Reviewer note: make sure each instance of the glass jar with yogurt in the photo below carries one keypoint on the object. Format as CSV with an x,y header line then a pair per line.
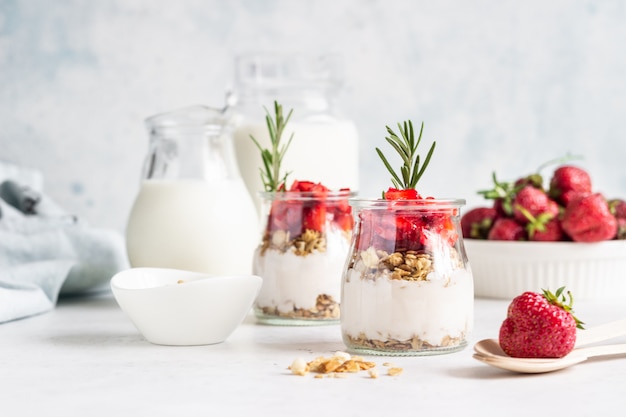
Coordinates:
x,y
325,143
301,256
407,287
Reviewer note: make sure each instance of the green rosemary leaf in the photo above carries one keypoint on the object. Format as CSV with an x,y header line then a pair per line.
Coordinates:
x,y
406,145
395,179
272,158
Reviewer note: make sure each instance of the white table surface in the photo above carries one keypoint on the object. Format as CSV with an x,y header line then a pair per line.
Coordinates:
x,y
85,358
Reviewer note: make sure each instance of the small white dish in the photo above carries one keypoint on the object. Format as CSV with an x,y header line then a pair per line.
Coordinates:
x,y
183,308
591,271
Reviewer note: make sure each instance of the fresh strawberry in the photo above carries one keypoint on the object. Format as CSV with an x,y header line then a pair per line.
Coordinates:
x,y
539,326
546,227
534,201
550,231
475,224
285,215
341,211
505,228
314,218
317,189
589,219
621,229
617,206
344,221
307,205
568,182
396,194
568,196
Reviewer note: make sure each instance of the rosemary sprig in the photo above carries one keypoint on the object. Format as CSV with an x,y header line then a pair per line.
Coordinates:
x,y
406,146
272,158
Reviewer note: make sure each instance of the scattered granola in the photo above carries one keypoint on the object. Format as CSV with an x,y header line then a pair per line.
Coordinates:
x,y
338,366
394,371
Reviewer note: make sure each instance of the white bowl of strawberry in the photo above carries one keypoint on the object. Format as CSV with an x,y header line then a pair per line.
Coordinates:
x,y
534,236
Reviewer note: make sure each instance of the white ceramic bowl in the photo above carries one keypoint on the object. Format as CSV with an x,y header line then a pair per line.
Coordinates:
x,y
183,308
591,271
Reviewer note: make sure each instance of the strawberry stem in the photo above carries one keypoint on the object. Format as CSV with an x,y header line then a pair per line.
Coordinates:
x,y
558,299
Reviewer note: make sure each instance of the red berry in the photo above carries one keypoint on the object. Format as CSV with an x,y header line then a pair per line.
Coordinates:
x,y
314,218
539,326
550,231
589,219
396,194
297,214
532,200
475,224
621,229
617,207
569,180
505,228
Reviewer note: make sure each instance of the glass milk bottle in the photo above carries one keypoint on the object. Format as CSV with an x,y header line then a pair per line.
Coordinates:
x,y
325,144
193,211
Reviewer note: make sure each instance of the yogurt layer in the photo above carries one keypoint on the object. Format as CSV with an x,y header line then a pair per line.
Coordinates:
x,y
437,311
293,281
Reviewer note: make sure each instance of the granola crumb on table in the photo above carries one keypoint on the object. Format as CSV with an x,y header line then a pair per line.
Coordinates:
x,y
338,366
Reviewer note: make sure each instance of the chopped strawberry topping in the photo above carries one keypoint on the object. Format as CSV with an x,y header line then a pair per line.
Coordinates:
x,y
311,210
396,194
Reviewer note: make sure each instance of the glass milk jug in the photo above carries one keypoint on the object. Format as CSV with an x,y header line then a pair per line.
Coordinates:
x,y
193,211
325,144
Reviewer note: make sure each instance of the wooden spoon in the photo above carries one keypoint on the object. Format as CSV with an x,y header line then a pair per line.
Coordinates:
x,y
495,357
489,351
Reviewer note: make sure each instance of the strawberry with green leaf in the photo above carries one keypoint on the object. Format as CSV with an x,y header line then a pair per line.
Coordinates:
x,y
539,325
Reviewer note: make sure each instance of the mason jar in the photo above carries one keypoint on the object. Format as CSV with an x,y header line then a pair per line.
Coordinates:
x,y
407,287
301,255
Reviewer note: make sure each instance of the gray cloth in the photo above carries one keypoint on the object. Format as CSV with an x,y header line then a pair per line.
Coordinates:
x,y
46,253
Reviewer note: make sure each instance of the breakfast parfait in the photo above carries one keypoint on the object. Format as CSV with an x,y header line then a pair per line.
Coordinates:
x,y
304,242
407,288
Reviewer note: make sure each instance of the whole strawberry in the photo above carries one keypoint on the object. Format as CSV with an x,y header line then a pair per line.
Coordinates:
x,y
534,201
617,206
569,182
539,326
476,223
505,228
546,227
588,219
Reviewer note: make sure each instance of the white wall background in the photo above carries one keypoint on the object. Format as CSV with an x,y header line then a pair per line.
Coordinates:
x,y
501,84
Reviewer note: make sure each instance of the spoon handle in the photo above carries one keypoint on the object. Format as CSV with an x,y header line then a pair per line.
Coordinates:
x,y
603,350
600,333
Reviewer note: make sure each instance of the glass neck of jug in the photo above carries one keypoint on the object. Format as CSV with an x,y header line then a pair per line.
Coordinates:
x,y
191,143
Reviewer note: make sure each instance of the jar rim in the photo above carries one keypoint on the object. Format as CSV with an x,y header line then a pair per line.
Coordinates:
x,y
308,195
421,204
